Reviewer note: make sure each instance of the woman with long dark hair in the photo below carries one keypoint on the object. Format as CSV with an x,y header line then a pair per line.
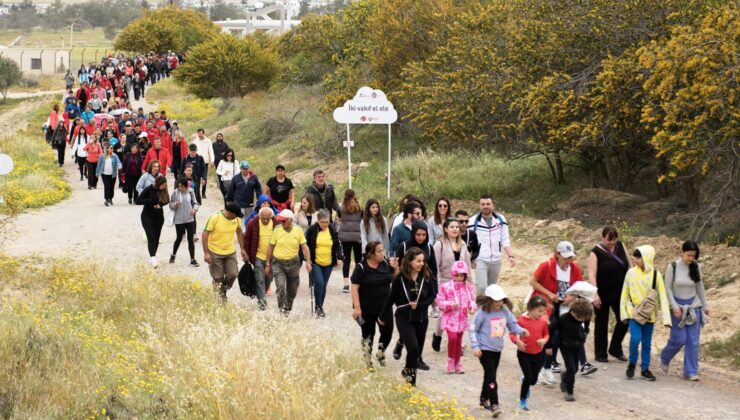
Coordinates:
x,y
442,211
326,252
107,169
349,232
78,151
153,197
411,293
184,205
688,302
131,171
373,227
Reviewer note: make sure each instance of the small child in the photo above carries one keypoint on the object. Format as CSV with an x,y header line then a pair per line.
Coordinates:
x,y
529,349
638,283
487,340
580,290
455,299
572,336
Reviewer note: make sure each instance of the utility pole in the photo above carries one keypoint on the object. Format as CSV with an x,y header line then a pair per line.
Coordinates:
x,y
71,35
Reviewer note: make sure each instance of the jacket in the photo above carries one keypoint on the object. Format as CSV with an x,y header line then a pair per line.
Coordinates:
x,y
163,155
570,331
126,166
146,180
461,293
349,226
188,203
78,146
492,239
199,166
116,165
487,329
301,219
205,149
547,276
370,233
336,246
399,235
242,192
444,256
264,198
425,247
326,201
252,238
219,150
403,291
637,285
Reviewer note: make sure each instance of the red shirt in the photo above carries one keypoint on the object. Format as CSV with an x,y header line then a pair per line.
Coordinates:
x,y
537,328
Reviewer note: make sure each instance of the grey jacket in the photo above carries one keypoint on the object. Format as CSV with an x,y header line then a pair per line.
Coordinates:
x,y
349,227
183,213
371,233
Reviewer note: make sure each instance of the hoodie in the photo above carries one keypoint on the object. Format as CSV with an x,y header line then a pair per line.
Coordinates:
x,y
255,213
637,285
425,247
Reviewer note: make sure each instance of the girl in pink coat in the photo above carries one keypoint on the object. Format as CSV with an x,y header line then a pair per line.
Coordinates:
x,y
456,299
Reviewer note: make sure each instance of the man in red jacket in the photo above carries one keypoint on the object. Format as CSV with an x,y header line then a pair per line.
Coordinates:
x,y
158,153
256,240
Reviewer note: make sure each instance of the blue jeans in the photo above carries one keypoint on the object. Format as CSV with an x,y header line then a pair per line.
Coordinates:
x,y
687,337
641,334
320,277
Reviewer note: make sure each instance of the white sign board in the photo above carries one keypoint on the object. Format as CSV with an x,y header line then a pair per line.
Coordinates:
x,y
6,164
369,106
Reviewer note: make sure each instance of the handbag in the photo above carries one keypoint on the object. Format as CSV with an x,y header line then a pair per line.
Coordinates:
x,y
171,218
645,310
247,283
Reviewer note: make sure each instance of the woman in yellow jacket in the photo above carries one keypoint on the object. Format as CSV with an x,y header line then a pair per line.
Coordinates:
x,y
637,284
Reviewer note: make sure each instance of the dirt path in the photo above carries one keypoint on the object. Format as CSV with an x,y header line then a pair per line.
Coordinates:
x,y
75,228
21,95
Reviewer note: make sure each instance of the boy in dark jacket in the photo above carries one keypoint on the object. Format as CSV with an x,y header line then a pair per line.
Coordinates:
x,y
572,336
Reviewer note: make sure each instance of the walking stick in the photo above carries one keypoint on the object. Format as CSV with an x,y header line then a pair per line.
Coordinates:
x,y
310,291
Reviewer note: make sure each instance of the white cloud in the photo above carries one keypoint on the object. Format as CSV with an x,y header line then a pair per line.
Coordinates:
x,y
369,106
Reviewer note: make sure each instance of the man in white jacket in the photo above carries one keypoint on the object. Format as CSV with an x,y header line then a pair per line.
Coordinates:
x,y
493,237
205,149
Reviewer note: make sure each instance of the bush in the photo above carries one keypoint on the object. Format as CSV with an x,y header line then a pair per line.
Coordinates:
x,y
84,341
10,75
226,67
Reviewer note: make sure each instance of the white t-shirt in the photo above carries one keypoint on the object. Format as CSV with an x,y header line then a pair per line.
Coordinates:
x,y
563,279
108,166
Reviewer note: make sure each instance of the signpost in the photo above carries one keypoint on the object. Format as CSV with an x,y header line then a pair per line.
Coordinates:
x,y
369,106
6,167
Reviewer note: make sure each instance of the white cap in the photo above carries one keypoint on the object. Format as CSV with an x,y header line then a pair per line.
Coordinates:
x,y
495,292
285,214
143,134
565,249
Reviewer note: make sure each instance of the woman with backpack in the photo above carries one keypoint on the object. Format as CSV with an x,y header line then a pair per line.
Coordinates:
x,y
349,232
688,302
184,206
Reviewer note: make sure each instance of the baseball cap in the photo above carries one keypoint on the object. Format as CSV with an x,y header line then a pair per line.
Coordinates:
x,y
193,147
233,208
245,165
495,292
285,215
565,249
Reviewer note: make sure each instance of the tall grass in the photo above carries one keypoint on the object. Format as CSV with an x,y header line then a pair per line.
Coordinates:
x,y
36,179
81,340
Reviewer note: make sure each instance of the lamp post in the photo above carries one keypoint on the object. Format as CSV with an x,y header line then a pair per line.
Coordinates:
x,y
71,35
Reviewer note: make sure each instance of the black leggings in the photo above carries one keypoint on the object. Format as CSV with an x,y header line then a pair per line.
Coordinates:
x,y
152,224
108,186
81,162
355,247
181,230
489,391
412,334
60,154
131,181
531,365
92,179
570,359
368,331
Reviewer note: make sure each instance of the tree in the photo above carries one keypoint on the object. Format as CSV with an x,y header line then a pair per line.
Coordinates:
x,y
10,75
165,29
225,66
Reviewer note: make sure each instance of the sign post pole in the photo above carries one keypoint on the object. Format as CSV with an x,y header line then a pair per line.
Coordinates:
x,y
348,144
389,162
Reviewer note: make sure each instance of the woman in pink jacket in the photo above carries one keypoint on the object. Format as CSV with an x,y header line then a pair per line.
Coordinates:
x,y
456,299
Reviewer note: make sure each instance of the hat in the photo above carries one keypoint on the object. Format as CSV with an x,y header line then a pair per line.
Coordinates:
x,y
233,208
495,292
193,147
174,121
245,165
128,123
459,267
143,134
565,249
285,215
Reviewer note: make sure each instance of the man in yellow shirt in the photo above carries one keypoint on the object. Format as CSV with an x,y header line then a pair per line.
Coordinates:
x,y
256,241
219,251
282,257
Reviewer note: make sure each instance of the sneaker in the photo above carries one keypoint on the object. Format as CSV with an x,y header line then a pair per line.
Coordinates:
x,y
172,259
194,263
262,305
130,201
436,342
459,368
647,375
381,358
523,405
496,409
693,378
345,289
588,369
153,262
619,356
664,367
546,377
570,397
630,370
397,350
602,359
320,312
450,365
485,404
555,367
435,313
107,203
421,365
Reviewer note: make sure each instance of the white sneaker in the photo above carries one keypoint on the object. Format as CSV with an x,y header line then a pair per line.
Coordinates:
x,y
153,261
546,377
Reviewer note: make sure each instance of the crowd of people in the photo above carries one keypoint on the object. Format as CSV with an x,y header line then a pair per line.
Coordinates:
x,y
435,264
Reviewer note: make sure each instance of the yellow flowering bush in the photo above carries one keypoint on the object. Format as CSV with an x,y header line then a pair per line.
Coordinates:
x,y
84,341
